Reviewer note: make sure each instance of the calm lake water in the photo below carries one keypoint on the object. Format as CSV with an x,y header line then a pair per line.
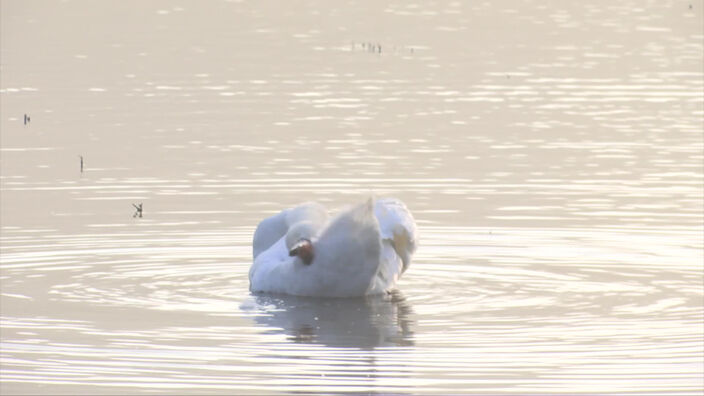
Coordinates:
x,y
551,152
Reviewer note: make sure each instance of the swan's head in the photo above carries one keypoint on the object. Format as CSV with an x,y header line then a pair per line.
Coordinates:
x,y
299,241
304,250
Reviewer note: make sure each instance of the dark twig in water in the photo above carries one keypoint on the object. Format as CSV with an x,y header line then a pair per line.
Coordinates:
x,y
26,119
138,213
81,163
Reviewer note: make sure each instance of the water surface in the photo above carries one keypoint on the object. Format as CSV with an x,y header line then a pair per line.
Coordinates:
x,y
551,154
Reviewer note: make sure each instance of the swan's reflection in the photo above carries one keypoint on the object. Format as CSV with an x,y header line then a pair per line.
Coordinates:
x,y
374,321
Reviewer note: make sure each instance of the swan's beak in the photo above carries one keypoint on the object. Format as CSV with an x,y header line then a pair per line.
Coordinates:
x,y
304,250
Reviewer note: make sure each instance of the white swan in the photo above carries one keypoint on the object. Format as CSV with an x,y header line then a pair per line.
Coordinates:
x,y
361,251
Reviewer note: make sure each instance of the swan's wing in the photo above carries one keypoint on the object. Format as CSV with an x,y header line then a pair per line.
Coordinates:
x,y
347,253
397,228
273,228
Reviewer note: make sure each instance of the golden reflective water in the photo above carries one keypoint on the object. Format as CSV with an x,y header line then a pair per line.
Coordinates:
x,y
551,153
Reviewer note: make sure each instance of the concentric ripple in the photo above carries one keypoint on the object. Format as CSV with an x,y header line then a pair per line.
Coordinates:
x,y
564,303
551,155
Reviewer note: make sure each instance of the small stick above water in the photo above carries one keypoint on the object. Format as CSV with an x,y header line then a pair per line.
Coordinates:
x,y
138,213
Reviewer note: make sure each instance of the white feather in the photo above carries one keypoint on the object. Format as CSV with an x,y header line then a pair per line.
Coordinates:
x,y
363,250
